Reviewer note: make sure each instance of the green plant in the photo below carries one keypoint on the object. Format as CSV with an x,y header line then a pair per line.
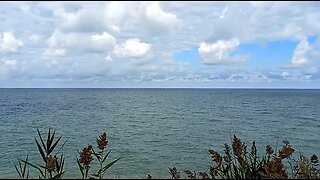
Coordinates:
x,y
53,167
238,163
23,172
84,162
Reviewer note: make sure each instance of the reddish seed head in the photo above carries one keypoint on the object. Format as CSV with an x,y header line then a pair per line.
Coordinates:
x,y
102,141
269,150
51,163
286,152
314,159
86,155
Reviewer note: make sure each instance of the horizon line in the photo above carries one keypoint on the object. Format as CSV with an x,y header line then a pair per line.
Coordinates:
x,y
279,88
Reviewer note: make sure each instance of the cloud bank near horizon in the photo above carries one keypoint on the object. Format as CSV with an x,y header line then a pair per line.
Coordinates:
x,y
160,44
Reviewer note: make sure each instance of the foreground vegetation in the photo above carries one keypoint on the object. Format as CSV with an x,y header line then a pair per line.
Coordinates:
x,y
236,162
239,163
53,163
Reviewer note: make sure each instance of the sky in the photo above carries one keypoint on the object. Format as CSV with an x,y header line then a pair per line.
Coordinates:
x,y
160,44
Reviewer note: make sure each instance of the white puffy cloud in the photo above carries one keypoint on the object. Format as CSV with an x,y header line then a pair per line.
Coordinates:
x,y
95,17
116,17
117,14
9,44
102,42
159,19
60,43
64,40
299,56
305,56
86,19
218,52
132,48
251,23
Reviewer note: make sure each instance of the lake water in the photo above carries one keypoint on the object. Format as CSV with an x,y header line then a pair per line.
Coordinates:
x,y
153,129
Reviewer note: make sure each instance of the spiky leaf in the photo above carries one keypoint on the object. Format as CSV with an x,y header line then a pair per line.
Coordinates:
x,y
17,170
48,142
105,157
109,165
44,146
34,166
54,145
41,151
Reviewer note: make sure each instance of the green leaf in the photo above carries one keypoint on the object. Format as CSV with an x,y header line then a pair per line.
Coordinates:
x,y
109,165
20,166
17,170
105,157
58,164
28,174
62,146
48,142
236,171
24,168
80,167
97,155
96,175
58,176
51,140
34,166
54,145
62,164
44,146
41,151
86,172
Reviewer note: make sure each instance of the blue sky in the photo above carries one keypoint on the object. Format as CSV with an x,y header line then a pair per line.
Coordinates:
x,y
160,44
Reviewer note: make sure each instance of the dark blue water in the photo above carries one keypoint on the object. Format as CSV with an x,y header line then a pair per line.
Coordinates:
x,y
153,129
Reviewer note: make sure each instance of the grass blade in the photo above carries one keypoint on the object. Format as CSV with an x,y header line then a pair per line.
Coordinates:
x,y
61,146
17,170
59,164
58,176
96,155
86,172
105,157
80,167
20,166
54,145
41,151
62,164
28,173
44,146
95,175
48,143
109,165
24,168
51,140
34,166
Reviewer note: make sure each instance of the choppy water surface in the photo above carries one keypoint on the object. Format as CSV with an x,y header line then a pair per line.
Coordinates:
x,y
153,129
